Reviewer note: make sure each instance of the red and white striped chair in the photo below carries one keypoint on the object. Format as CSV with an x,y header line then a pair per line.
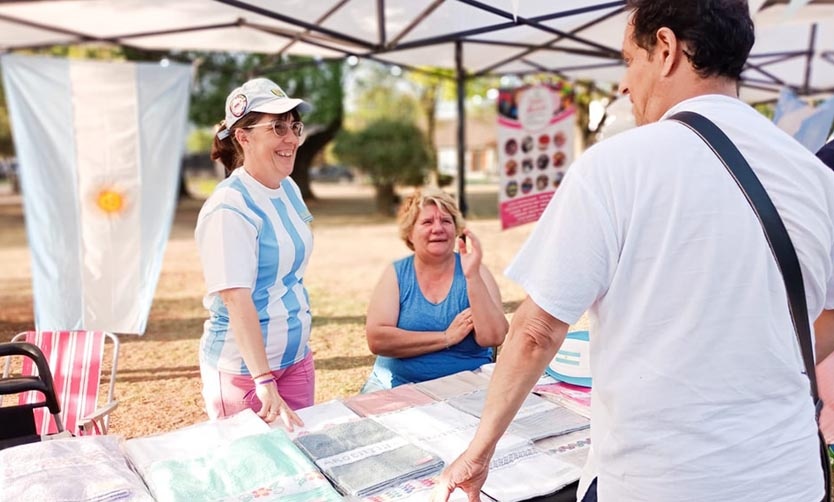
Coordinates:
x,y
75,358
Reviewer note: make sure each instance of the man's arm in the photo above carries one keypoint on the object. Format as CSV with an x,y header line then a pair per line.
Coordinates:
x,y
824,333
535,337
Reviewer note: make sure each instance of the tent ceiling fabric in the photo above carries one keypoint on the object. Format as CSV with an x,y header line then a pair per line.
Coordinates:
x,y
579,39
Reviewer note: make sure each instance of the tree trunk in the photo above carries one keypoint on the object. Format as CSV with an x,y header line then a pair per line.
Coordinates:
x,y
385,198
428,101
313,144
183,194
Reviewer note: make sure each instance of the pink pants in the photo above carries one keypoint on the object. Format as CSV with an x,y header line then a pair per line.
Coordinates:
x,y
226,394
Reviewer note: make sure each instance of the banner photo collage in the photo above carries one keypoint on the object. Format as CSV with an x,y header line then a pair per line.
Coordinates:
x,y
536,127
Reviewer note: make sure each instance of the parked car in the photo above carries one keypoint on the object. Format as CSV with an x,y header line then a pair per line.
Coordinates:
x,y
331,174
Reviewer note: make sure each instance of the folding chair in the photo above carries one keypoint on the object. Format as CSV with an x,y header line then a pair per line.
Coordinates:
x,y
19,421
75,358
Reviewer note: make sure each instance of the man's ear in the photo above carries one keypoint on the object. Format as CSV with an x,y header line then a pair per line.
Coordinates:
x,y
668,49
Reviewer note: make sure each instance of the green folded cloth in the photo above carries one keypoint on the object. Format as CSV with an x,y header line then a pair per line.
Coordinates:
x,y
266,466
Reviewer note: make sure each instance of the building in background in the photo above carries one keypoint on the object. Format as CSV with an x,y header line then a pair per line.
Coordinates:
x,y
481,145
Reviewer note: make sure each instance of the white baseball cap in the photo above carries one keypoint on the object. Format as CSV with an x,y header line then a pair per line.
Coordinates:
x,y
258,95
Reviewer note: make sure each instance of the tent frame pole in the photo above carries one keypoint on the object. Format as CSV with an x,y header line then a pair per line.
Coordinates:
x,y
460,79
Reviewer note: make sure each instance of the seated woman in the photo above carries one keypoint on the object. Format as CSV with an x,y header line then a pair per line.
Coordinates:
x,y
435,312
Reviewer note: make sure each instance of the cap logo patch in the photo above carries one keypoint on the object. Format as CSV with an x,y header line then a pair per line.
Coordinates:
x,y
279,92
238,105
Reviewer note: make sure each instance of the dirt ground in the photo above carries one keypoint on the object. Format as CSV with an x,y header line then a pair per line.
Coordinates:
x,y
158,379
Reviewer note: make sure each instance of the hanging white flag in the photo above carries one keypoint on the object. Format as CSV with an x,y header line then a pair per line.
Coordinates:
x,y
99,147
807,124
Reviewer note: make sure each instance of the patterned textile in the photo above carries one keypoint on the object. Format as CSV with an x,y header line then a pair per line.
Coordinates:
x,y
385,401
536,419
518,470
442,429
415,490
234,459
363,457
320,416
572,448
573,397
527,472
265,466
453,385
82,469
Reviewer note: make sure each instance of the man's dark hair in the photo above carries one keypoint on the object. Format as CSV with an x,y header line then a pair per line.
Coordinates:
x,y
717,34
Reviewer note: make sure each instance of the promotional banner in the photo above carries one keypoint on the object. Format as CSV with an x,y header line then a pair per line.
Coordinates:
x,y
99,146
536,127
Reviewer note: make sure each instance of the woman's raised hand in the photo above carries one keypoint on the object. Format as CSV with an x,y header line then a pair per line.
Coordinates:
x,y
470,259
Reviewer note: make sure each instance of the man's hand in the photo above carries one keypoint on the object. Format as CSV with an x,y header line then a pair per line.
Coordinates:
x,y
468,473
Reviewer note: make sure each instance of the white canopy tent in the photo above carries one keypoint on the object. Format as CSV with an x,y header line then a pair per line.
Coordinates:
x,y
579,39
576,39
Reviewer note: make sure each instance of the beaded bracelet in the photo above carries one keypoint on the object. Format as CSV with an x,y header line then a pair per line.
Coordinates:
x,y
446,339
262,374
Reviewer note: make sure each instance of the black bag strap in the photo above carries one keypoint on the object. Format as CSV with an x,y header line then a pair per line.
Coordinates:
x,y
774,230
777,237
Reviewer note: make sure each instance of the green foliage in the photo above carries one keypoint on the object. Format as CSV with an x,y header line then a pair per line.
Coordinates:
x,y
767,109
317,82
389,151
445,180
6,146
199,141
381,95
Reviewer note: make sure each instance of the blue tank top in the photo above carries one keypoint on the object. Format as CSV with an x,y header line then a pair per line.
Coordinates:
x,y
419,314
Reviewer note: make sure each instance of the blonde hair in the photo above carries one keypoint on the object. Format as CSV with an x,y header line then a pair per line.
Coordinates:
x,y
411,206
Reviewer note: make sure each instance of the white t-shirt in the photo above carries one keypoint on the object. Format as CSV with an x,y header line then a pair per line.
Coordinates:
x,y
699,392
251,236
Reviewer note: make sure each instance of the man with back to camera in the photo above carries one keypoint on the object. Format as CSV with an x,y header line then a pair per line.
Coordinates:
x,y
699,392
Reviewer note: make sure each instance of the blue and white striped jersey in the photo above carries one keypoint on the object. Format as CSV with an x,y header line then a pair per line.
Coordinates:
x,y
251,236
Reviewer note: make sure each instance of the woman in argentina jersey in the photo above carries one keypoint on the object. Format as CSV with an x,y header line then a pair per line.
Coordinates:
x,y
254,240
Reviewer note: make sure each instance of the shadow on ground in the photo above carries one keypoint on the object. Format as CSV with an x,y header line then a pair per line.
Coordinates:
x,y
344,363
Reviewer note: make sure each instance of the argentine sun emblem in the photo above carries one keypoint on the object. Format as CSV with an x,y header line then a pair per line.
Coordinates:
x,y
110,201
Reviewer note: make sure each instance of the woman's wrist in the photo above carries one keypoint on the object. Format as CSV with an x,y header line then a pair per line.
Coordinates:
x,y
261,375
446,339
266,380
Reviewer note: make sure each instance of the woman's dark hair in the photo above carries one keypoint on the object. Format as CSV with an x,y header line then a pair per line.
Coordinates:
x,y
227,150
717,34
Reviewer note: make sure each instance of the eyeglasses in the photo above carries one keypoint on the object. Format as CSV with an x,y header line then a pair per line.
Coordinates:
x,y
281,127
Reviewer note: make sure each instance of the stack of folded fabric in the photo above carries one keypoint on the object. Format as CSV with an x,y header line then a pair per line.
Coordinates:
x,y
363,457
234,459
442,429
414,490
526,472
519,470
386,401
572,448
320,416
572,397
82,469
453,385
536,419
